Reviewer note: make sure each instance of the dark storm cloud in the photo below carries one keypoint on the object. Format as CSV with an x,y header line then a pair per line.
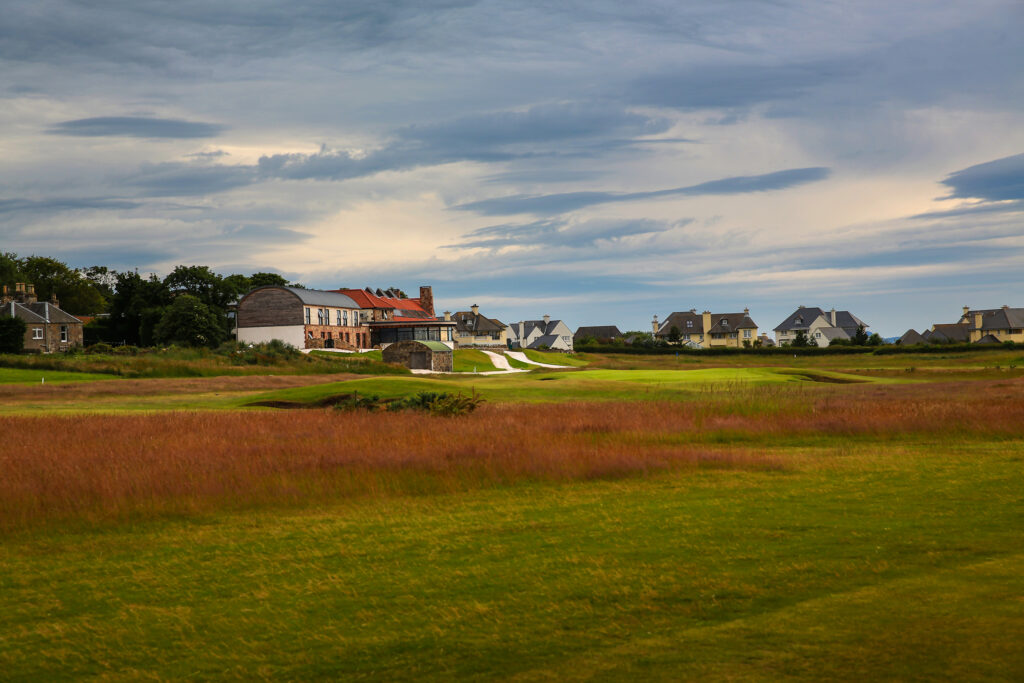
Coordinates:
x,y
727,86
487,137
559,233
571,201
542,123
997,180
64,204
176,179
136,127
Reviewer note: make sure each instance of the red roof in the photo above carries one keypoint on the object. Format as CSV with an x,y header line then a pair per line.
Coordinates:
x,y
367,300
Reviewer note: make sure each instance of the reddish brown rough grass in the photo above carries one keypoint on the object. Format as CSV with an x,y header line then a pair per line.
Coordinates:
x,y
112,466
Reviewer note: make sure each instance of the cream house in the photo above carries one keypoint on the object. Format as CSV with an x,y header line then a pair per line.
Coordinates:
x,y
708,330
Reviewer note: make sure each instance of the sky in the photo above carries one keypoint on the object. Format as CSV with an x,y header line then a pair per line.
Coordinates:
x,y
597,161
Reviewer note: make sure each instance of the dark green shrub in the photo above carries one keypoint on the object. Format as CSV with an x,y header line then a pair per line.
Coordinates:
x,y
12,335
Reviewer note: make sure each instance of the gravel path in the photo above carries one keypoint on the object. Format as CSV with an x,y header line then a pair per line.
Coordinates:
x,y
519,355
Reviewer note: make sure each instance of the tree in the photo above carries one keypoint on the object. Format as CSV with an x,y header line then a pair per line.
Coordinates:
x,y
800,338
77,294
265,279
190,322
12,334
875,340
811,341
136,308
674,335
202,283
861,338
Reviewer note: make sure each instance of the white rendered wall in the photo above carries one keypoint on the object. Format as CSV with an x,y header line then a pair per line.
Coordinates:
x,y
289,334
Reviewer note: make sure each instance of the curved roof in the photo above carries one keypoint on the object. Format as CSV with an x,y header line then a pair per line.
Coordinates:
x,y
314,297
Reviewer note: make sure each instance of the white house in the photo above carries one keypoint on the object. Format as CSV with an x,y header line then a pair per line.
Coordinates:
x,y
534,334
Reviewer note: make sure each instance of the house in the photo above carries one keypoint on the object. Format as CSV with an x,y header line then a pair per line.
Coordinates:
x,y
601,333
304,318
473,329
821,326
993,325
48,327
707,330
947,333
419,355
391,317
911,337
536,334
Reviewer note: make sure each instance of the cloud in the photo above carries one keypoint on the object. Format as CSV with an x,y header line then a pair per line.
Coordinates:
x,y
137,127
174,179
571,201
484,137
65,204
975,209
997,180
734,85
560,233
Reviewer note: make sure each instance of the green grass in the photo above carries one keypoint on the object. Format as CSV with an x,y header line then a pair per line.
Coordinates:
x,y
555,358
518,364
471,360
22,376
861,566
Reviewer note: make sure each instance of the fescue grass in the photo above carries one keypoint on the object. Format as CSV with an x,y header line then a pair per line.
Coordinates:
x,y
727,523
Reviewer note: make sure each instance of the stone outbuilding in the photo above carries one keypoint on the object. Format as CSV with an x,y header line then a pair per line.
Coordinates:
x,y
419,355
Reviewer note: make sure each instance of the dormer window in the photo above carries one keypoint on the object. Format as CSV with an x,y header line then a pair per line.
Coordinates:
x,y
799,321
725,323
689,323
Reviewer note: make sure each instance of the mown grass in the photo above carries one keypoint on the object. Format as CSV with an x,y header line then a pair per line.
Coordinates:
x,y
556,358
471,360
19,376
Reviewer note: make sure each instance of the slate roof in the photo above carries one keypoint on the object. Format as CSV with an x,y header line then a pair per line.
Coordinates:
x,y
998,318
691,322
468,322
954,332
988,339
807,315
548,340
598,332
39,312
530,325
911,337
833,333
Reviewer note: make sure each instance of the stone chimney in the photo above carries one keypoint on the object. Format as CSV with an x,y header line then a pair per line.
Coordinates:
x,y
475,309
706,320
654,325
977,321
746,311
547,319
967,310
54,301
832,314
6,297
427,300
447,315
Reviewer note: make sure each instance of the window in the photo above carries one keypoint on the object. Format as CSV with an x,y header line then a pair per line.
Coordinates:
x,y
346,318
725,322
818,335
37,333
337,320
319,316
689,323
686,337
732,335
746,334
63,333
307,316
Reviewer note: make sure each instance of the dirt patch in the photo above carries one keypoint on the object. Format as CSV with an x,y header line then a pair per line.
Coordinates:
x,y
826,379
325,402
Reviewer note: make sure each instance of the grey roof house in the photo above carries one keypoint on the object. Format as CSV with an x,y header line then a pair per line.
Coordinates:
x,y
535,334
822,326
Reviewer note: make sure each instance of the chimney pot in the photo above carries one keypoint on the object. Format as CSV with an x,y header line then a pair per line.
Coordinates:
x,y
475,309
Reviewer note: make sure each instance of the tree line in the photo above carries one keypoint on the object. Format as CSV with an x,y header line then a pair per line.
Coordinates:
x,y
188,307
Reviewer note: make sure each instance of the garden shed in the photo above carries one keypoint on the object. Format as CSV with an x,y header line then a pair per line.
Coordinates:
x,y
419,355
